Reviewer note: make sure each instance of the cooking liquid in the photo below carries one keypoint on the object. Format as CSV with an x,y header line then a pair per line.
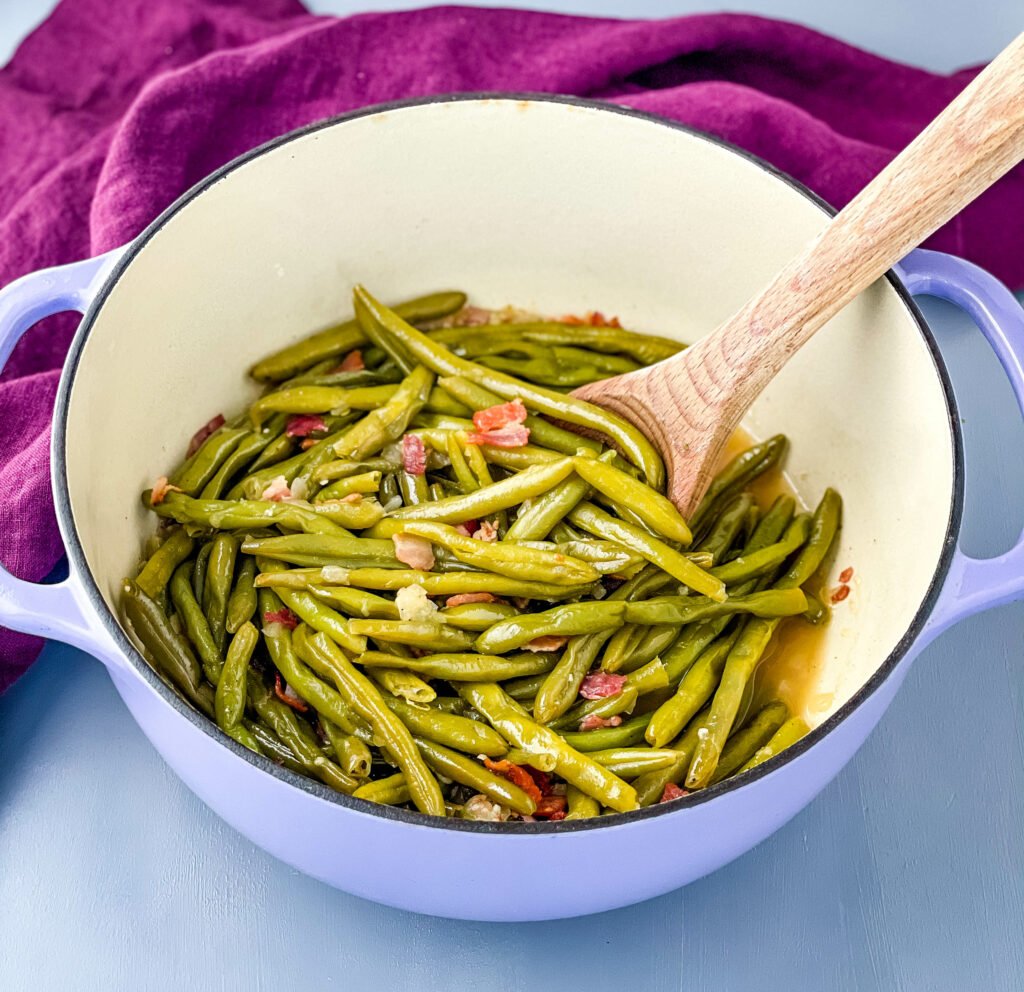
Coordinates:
x,y
791,667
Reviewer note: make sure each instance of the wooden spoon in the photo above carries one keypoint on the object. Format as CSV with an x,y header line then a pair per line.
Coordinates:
x,y
690,404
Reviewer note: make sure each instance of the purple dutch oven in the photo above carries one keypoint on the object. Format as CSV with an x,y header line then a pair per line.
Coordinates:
x,y
556,205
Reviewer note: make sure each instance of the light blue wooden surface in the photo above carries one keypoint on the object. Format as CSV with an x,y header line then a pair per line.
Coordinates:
x,y
906,874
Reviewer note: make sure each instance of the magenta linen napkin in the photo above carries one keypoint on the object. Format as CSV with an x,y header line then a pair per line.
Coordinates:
x,y
109,111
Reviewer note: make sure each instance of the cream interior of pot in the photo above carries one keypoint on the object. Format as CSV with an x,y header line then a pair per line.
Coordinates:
x,y
554,207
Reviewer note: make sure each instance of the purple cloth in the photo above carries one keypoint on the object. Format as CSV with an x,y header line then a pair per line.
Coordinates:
x,y
106,118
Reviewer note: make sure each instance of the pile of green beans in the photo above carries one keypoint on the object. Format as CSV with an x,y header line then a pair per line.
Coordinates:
x,y
401,572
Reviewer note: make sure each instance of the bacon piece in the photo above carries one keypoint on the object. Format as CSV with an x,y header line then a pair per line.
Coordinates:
x,y
278,490
595,722
471,317
551,808
487,531
462,598
414,454
304,424
215,424
283,616
549,642
510,436
468,528
287,695
502,415
352,362
517,775
593,319
541,779
416,552
672,791
160,490
838,595
845,575
351,498
598,685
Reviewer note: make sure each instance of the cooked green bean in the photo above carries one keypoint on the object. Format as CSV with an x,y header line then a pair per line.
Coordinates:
x,y
405,685
242,601
560,621
580,806
604,707
464,667
324,549
789,733
247,514
157,572
220,573
631,762
681,610
390,791
196,625
470,773
627,734
450,729
478,616
746,742
229,700
423,634
352,755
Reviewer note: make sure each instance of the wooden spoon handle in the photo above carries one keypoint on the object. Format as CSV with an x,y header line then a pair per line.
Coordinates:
x,y
974,141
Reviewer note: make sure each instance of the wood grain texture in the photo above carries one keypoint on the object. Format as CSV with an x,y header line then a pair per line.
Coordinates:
x,y
689,405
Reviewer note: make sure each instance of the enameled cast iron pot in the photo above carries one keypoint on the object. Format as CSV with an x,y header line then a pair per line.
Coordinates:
x,y
556,205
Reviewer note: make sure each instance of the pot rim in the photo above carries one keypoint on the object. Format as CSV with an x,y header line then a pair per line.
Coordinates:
x,y
414,818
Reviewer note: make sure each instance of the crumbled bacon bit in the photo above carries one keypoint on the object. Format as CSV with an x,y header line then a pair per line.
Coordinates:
x,y
672,791
845,575
278,490
551,808
352,362
593,319
283,616
286,694
517,775
304,424
595,722
487,531
160,490
502,415
839,594
468,528
308,443
463,598
510,436
549,642
215,424
416,552
598,685
471,317
414,454
541,779
351,498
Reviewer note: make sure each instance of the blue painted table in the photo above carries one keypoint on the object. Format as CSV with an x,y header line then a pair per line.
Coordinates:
x,y
907,873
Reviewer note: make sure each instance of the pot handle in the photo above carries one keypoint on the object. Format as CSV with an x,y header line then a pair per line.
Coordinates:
x,y
59,610
974,584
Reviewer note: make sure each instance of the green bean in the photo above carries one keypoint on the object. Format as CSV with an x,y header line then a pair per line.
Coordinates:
x,y
695,689
542,431
740,472
204,464
817,612
627,734
157,572
305,463
424,634
220,573
789,733
607,557
352,755
341,338
464,667
273,455
245,453
754,565
559,621
649,505
356,602
246,514
523,690
489,499
405,685
628,438
392,348
362,696
245,737
390,791
283,723
601,524
242,601
727,526
168,650
450,729
199,570
229,701
324,549
605,707
366,482
650,643
580,806
345,468
387,423
576,768
477,616
751,644
631,762
470,773
196,625
689,609
745,743
651,786
322,618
